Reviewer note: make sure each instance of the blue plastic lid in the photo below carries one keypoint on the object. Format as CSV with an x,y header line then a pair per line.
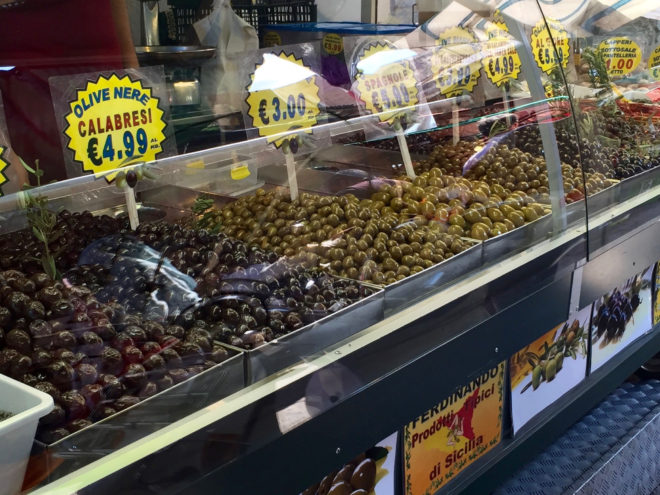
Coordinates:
x,y
351,28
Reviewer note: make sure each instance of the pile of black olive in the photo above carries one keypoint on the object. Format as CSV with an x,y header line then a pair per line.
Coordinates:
x,y
263,302
628,164
72,233
93,358
613,315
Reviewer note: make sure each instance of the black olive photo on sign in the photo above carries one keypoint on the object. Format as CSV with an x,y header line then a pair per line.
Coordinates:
x,y
369,473
620,317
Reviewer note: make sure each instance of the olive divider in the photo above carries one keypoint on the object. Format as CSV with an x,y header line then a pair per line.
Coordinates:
x,y
314,338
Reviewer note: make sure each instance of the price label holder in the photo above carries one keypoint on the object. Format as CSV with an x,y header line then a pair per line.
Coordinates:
x,y
654,63
621,55
456,68
385,83
282,103
544,50
109,121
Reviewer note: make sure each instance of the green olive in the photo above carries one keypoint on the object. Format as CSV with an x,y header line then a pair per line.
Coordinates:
x,y
479,231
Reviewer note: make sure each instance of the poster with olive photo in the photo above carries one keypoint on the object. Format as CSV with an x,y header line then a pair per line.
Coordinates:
x,y
370,473
621,317
444,440
546,369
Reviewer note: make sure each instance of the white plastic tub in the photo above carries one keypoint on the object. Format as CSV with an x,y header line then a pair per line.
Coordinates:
x,y
17,433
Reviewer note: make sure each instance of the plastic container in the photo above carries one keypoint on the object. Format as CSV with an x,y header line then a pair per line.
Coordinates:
x,y
331,35
17,433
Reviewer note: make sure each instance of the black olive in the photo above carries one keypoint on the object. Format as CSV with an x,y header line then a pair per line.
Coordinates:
x,y
61,374
54,418
86,373
93,394
125,401
74,405
19,340
111,361
20,366
112,387
135,375
131,178
65,339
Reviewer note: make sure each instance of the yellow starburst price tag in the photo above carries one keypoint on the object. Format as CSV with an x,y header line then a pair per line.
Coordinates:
x,y
456,63
543,49
277,106
385,81
654,63
4,164
113,122
621,55
502,63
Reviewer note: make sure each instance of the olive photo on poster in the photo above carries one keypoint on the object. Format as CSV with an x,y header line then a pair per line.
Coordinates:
x,y
620,317
546,369
370,473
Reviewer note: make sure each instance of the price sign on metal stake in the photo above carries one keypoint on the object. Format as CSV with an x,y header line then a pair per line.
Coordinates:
x,y
385,81
456,62
621,55
542,45
112,122
276,105
502,63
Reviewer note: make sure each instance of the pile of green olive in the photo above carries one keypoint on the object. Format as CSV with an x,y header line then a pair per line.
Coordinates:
x,y
372,240
513,169
470,208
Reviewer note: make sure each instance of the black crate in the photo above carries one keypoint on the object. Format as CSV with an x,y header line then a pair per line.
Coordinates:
x,y
262,13
280,12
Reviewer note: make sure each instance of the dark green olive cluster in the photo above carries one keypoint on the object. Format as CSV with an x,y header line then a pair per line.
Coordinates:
x,y
380,240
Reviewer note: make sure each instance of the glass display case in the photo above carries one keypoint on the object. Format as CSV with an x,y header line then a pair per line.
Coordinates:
x,y
234,302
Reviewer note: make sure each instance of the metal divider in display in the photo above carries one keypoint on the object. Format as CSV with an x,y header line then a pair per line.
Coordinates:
x,y
637,184
314,338
518,239
402,293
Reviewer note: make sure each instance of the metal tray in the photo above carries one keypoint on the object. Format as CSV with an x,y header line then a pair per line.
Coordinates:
x,y
314,338
316,181
400,294
147,417
603,199
518,239
636,185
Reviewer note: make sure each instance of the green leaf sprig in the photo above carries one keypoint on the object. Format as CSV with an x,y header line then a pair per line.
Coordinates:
x,y
41,219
